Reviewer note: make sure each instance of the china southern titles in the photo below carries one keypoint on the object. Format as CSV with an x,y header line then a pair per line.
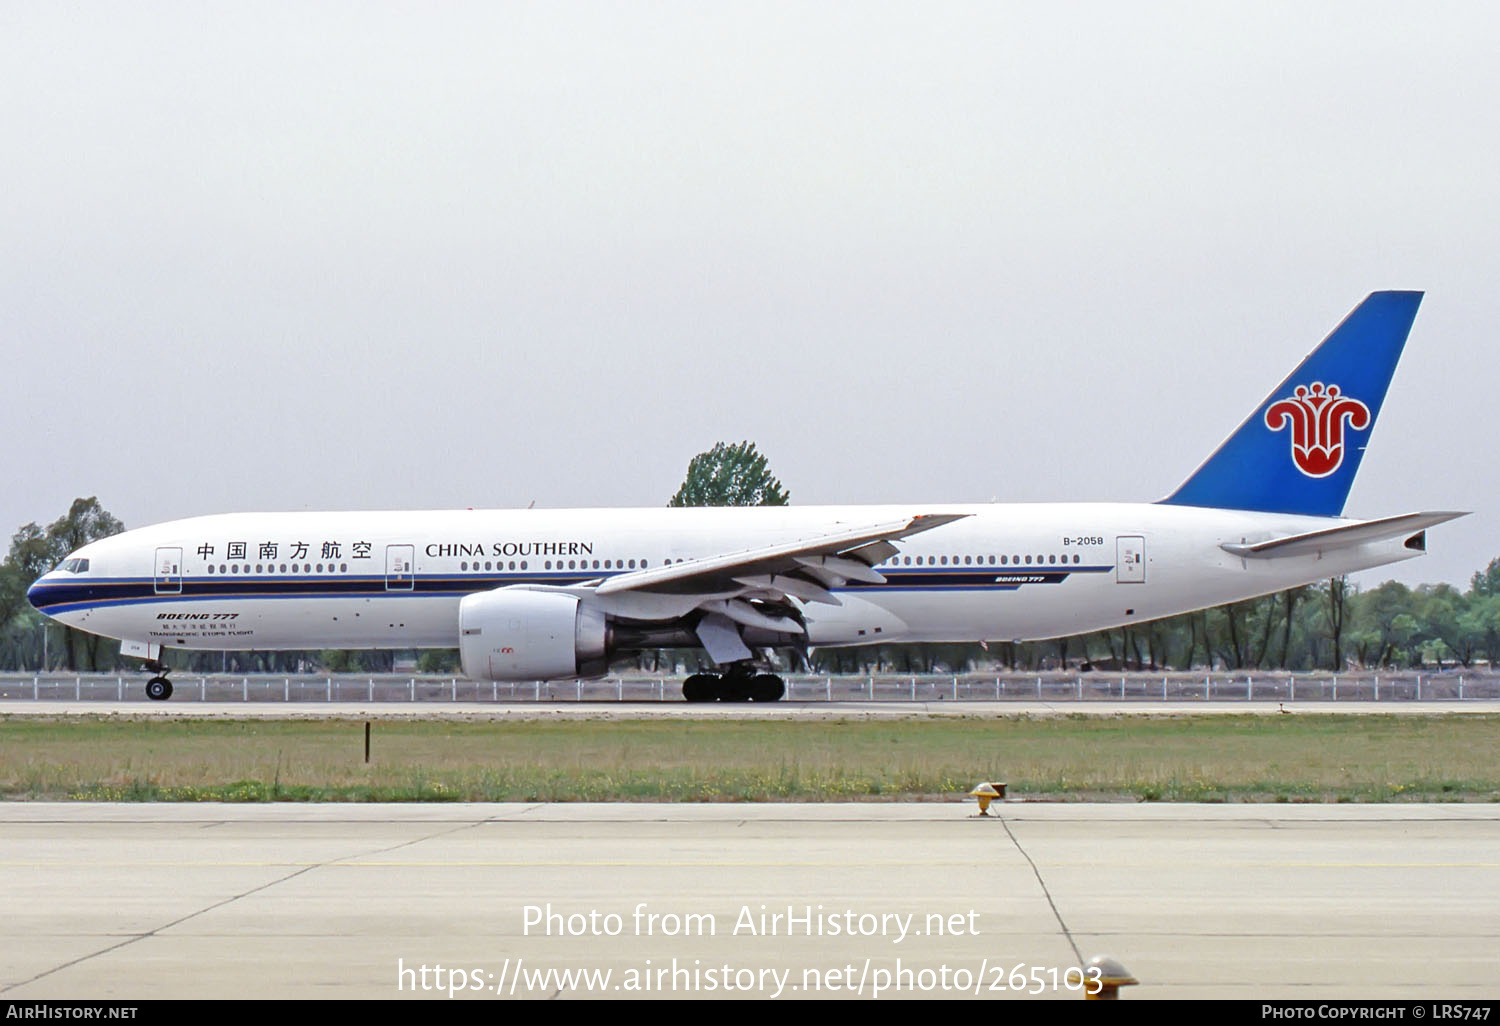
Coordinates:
x,y
510,548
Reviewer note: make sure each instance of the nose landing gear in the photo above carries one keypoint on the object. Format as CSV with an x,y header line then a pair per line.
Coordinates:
x,y
158,689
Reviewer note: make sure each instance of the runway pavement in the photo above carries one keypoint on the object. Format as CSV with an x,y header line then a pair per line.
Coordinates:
x,y
368,901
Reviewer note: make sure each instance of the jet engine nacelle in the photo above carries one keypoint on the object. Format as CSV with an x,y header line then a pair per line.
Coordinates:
x,y
523,634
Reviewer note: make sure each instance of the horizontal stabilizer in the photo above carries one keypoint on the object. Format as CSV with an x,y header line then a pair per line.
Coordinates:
x,y
1342,537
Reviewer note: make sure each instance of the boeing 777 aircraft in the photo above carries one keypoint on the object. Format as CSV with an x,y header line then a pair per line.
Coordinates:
x,y
556,594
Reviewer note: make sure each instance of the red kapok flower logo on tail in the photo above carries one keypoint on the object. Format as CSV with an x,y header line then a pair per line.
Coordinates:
x,y
1317,416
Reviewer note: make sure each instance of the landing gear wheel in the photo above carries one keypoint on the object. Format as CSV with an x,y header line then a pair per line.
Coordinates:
x,y
701,687
736,688
158,689
767,687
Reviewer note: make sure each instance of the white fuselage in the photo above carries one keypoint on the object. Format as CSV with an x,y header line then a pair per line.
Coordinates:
x,y
395,579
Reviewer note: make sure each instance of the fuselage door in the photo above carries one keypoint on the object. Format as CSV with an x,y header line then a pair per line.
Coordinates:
x,y
1130,560
400,567
168,571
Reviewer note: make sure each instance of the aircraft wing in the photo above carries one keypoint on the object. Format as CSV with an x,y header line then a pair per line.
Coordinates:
x,y
804,569
1342,536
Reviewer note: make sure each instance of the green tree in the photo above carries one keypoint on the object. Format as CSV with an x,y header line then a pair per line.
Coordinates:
x,y
1486,582
1335,617
30,556
1442,610
1387,613
1483,618
85,522
438,660
730,475
33,552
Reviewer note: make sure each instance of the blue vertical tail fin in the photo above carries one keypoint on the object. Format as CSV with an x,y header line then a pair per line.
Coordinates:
x,y
1299,451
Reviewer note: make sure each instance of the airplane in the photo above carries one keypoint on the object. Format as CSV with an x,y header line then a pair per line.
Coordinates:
x,y
544,594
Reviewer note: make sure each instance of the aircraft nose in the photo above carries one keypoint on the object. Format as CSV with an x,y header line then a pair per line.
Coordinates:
x,y
34,593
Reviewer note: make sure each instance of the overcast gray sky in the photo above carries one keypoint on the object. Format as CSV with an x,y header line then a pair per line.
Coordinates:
x,y
287,256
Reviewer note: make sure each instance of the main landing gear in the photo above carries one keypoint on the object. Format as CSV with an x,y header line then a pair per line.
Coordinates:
x,y
738,685
158,688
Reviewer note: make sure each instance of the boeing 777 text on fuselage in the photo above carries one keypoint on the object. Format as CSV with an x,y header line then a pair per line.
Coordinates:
x,y
556,594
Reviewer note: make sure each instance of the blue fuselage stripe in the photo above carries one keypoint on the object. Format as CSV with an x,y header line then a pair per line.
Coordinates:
x,y
67,596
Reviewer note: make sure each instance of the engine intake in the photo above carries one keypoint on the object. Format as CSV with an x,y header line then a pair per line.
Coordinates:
x,y
519,633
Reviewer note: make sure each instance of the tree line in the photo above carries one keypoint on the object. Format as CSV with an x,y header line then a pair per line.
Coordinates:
x,y
1328,626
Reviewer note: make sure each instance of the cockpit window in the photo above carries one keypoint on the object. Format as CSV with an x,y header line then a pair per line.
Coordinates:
x,y
74,566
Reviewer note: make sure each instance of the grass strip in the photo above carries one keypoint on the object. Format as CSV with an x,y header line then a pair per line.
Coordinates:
x,y
1311,758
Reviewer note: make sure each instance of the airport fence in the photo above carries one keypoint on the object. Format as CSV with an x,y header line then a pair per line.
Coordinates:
x,y
1245,687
